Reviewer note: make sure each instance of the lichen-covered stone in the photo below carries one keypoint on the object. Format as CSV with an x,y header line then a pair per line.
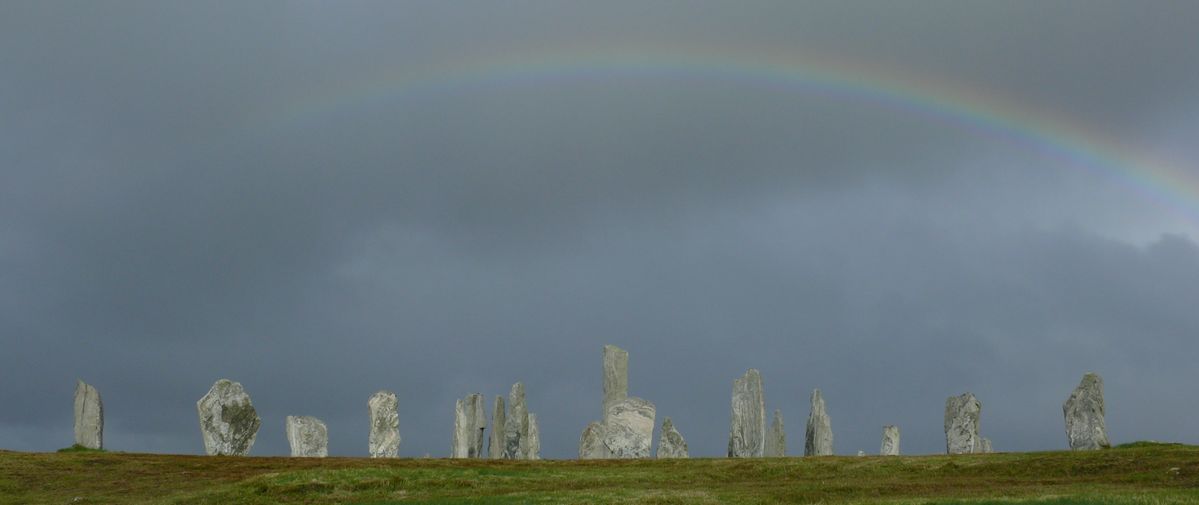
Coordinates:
x,y
962,423
1084,411
616,376
470,422
818,438
495,443
671,444
629,432
890,445
307,436
516,425
89,416
228,421
384,438
591,442
776,438
747,433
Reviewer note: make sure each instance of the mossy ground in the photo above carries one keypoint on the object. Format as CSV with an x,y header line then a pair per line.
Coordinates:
x,y
1138,474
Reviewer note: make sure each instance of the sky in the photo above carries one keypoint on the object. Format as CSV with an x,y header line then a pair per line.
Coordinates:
x,y
894,202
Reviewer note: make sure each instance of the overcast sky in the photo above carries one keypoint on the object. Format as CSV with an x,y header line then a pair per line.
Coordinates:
x,y
200,190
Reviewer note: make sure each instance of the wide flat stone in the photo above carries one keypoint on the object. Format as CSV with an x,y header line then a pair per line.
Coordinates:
x,y
228,421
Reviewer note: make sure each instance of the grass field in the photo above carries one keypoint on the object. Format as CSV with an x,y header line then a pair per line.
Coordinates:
x,y
1137,474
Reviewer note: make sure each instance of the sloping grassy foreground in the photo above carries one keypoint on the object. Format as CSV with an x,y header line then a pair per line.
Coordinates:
x,y
1141,474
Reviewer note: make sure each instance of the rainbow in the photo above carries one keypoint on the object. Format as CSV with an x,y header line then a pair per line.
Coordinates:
x,y
1169,185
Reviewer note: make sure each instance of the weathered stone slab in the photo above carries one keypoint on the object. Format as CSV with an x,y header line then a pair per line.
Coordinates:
x,y
961,424
470,422
308,437
776,438
384,438
1086,429
616,376
671,444
228,421
89,416
629,432
533,447
516,425
818,439
591,442
495,443
747,433
890,445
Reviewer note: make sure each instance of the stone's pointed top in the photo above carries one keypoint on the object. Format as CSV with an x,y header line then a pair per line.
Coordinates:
x,y
228,421
1084,411
671,443
89,416
612,348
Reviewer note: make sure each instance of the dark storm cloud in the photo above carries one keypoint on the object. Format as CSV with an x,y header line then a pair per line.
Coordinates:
x,y
156,234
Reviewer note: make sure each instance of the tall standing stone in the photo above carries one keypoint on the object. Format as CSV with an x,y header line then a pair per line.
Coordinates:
x,y
470,422
961,424
776,439
616,376
228,421
89,417
533,445
384,438
671,444
516,425
747,433
890,445
984,446
495,444
1084,411
591,442
629,432
818,439
307,436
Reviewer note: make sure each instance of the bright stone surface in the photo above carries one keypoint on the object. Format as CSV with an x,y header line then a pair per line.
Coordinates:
x,y
747,433
671,444
470,421
1086,429
228,421
961,424
308,437
629,432
776,438
890,445
616,376
495,440
533,445
591,442
516,425
384,438
818,439
89,416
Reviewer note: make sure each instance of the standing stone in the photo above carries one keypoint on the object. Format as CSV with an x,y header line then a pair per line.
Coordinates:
x,y
890,441
961,424
818,440
533,447
495,444
228,421
308,437
616,376
1086,429
984,446
747,433
776,439
470,421
629,432
671,444
384,437
591,443
89,416
516,425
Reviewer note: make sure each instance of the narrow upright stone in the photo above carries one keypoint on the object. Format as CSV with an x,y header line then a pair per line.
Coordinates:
x,y
495,445
629,432
516,425
984,446
384,437
533,445
671,444
961,424
1084,411
818,439
470,421
591,442
776,439
228,421
89,417
308,437
747,433
616,376
890,445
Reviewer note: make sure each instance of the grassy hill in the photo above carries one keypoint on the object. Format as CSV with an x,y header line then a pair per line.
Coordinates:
x,y
1135,474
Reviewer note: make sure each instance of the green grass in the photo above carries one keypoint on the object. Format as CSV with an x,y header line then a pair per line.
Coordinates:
x,y
1158,474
